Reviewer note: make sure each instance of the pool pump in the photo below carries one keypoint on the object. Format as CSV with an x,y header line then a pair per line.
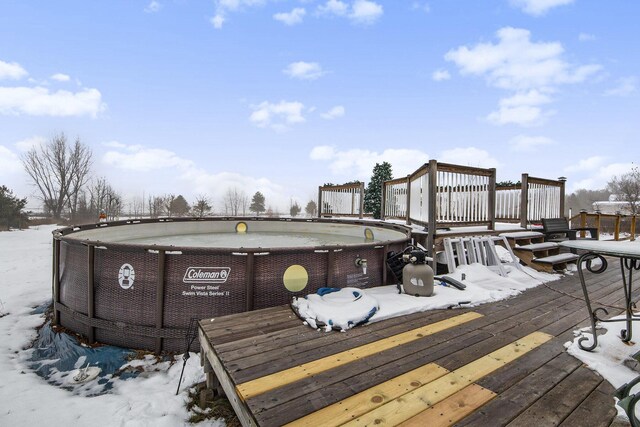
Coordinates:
x,y
417,276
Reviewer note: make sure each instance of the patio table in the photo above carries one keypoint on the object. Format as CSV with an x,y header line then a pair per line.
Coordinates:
x,y
628,254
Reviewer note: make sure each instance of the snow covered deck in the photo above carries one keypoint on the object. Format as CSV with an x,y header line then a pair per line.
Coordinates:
x,y
493,364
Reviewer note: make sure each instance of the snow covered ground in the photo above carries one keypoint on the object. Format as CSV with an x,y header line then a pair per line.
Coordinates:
x,y
28,399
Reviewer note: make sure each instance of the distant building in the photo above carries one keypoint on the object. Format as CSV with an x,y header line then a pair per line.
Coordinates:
x,y
612,206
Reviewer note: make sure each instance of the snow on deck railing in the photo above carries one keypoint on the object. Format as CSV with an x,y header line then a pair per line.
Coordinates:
x,y
344,200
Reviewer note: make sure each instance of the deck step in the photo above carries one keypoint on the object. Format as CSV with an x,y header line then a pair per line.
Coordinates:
x,y
521,235
556,259
537,246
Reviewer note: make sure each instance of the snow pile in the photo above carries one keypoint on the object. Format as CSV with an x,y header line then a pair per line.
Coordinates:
x,y
483,286
334,308
611,358
27,399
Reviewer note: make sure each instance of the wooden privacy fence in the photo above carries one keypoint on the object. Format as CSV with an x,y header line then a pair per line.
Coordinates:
x,y
343,200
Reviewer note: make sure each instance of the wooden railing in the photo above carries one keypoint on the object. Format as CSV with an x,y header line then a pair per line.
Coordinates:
x,y
343,200
622,227
544,199
394,198
508,199
442,194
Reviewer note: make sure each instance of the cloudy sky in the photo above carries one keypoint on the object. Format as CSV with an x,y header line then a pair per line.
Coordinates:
x,y
195,97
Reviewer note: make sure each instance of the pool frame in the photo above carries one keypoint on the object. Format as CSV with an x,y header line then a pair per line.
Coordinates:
x,y
154,312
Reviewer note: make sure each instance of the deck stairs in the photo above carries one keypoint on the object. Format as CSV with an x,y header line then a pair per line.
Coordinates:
x,y
480,249
533,251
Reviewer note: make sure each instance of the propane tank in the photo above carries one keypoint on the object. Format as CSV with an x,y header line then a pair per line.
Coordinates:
x,y
417,276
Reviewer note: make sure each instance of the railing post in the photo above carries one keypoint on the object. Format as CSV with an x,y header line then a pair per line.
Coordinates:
x,y
431,220
492,199
319,202
616,231
524,200
633,228
383,201
408,199
362,199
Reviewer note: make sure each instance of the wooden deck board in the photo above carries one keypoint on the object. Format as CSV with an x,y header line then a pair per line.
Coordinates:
x,y
544,386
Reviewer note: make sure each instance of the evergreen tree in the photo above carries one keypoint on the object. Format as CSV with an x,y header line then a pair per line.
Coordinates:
x,y
11,209
295,209
257,203
178,206
311,209
373,193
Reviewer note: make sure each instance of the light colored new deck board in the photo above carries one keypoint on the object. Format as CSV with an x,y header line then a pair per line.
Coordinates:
x,y
279,379
411,404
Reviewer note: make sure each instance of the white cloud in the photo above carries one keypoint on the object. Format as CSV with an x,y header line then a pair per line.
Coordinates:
x,y
358,163
587,165
9,162
521,66
516,63
304,70
193,179
599,174
334,7
469,156
59,77
362,12
626,86
29,143
538,7
39,101
529,143
153,7
278,116
142,159
11,70
365,12
217,21
440,75
586,37
334,113
224,7
291,18
322,152
522,109
424,7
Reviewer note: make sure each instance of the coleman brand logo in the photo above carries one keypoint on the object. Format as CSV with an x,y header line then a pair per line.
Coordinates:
x,y
206,274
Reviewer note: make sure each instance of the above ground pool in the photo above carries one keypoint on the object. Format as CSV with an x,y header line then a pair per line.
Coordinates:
x,y
138,283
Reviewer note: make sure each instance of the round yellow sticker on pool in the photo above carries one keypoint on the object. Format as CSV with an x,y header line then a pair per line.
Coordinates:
x,y
241,227
295,278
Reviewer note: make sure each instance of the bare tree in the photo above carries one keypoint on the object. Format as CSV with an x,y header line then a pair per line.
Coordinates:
x,y
201,207
137,207
234,201
627,189
156,206
59,170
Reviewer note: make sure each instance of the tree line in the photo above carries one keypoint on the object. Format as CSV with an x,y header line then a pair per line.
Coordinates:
x,y
61,172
